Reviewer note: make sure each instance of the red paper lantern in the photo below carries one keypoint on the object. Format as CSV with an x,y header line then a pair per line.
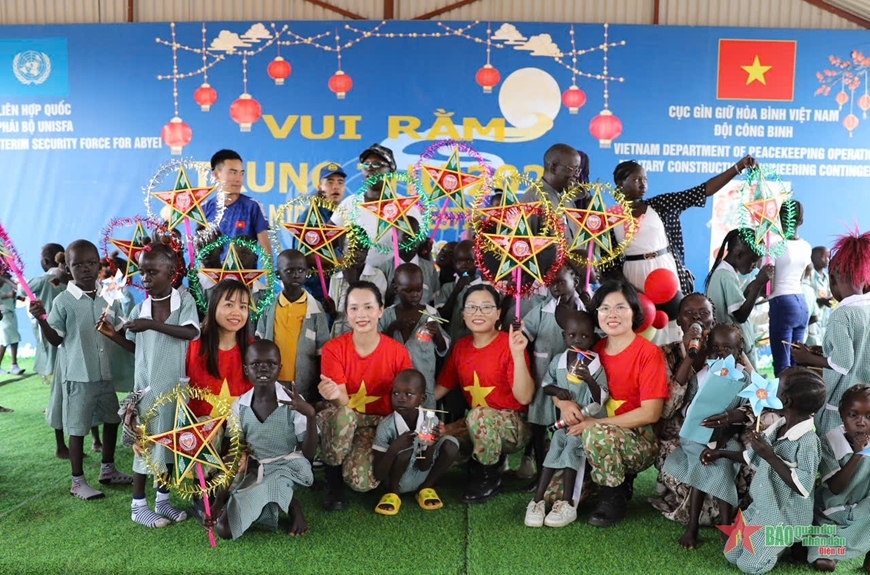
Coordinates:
x,y
574,98
850,122
661,285
279,70
176,134
245,111
842,97
660,321
864,103
205,96
605,127
488,77
649,312
340,83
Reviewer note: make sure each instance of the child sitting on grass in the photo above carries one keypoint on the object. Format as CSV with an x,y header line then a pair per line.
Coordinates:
x,y
396,446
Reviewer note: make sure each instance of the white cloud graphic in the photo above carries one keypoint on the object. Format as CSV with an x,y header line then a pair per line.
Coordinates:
x,y
541,45
228,42
509,34
256,33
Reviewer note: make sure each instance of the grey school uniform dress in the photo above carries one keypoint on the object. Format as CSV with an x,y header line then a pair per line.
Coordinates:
x,y
566,451
431,283
85,361
9,323
312,338
263,494
422,353
540,327
389,430
45,291
774,502
160,364
849,511
718,479
846,346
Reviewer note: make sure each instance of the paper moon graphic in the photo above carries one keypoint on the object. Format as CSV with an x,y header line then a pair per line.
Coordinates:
x,y
526,95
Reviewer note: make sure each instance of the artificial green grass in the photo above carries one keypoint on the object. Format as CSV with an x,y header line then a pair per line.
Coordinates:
x,y
45,530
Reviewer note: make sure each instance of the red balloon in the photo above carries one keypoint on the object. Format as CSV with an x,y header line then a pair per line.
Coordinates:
x,y
649,312
661,320
661,285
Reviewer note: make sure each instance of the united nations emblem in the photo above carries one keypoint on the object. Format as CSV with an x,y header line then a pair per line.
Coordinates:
x,y
31,67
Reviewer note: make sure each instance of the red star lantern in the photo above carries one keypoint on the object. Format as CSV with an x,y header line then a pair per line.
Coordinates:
x,y
488,78
176,134
131,248
391,211
279,70
507,213
245,111
317,237
574,98
765,215
341,84
605,127
232,268
594,225
451,182
205,96
185,201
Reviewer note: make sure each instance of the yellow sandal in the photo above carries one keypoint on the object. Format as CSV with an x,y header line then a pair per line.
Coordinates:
x,y
389,499
429,494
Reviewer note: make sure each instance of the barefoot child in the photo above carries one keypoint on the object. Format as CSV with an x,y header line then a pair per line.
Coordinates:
x,y
276,423
157,334
719,479
87,368
297,324
415,325
786,457
843,499
587,385
397,443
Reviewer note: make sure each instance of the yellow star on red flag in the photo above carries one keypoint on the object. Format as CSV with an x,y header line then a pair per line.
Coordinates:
x,y
360,399
478,393
131,248
185,200
451,182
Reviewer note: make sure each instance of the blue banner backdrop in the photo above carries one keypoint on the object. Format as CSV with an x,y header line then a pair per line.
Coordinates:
x,y
82,109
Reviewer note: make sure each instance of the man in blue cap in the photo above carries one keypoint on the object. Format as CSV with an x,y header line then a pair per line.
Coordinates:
x,y
332,182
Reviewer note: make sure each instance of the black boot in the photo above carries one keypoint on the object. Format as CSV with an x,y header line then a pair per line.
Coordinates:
x,y
333,499
612,506
485,483
629,485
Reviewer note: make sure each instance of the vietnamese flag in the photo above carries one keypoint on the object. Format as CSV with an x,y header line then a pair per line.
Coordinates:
x,y
756,70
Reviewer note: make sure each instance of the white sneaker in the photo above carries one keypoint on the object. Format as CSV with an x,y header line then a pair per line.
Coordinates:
x,y
562,514
535,514
527,468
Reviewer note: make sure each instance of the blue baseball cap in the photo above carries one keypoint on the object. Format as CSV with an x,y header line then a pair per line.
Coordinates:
x,y
332,169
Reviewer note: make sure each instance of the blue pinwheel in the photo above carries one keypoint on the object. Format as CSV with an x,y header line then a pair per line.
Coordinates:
x,y
761,393
726,368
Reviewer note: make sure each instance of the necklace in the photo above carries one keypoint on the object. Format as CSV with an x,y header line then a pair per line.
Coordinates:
x,y
164,298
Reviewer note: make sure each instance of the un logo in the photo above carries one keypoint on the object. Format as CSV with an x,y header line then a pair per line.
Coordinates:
x,y
31,67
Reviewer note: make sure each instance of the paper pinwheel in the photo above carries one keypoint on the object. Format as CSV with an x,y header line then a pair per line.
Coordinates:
x,y
725,381
726,368
763,197
111,290
761,393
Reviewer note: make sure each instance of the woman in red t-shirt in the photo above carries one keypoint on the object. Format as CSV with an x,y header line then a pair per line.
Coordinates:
x,y
622,444
214,361
357,372
492,368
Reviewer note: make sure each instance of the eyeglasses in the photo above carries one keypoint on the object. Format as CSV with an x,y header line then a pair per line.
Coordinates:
x,y
373,166
620,309
572,169
485,309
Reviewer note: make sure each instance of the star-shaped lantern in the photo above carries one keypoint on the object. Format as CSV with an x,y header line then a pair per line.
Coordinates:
x,y
232,269
318,237
765,217
451,182
132,248
391,211
499,217
185,200
191,442
517,246
594,225
739,534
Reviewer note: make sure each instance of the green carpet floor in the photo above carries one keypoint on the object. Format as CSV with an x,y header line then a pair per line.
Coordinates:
x,y
45,530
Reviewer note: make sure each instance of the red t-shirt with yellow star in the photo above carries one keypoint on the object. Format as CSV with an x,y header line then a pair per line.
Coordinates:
x,y
486,375
637,373
230,367
369,380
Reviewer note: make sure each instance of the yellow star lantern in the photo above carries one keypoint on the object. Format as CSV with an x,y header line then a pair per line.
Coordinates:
x,y
317,236
232,269
391,211
360,399
595,244
479,393
185,200
131,248
498,218
451,182
519,247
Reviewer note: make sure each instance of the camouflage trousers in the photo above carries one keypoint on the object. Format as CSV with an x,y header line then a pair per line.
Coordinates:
x,y
486,433
613,451
346,439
